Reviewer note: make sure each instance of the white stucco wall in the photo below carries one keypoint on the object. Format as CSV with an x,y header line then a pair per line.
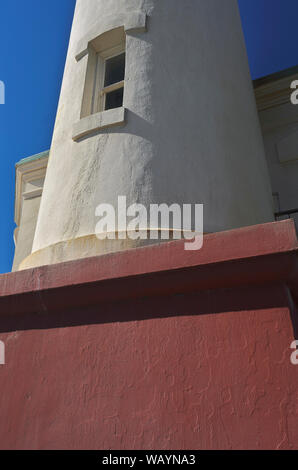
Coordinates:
x,y
192,133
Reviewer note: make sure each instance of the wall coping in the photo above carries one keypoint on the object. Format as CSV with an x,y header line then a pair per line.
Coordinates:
x,y
33,158
253,255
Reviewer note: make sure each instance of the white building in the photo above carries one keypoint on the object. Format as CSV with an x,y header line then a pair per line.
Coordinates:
x,y
157,105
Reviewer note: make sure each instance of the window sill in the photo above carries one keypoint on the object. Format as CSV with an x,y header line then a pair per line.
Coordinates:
x,y
99,121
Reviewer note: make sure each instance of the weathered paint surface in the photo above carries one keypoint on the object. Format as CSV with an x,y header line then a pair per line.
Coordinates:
x,y
204,368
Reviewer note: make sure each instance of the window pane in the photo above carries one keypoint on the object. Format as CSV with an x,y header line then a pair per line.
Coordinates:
x,y
115,69
114,99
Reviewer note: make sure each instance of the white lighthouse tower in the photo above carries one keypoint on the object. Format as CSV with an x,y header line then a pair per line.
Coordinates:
x,y
156,105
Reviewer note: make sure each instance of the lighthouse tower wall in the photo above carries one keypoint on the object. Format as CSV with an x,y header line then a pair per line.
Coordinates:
x,y
188,131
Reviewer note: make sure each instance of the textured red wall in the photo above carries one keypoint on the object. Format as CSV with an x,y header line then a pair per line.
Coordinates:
x,y
188,370
195,380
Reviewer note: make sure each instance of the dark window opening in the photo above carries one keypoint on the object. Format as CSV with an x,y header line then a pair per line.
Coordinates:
x,y
114,99
115,70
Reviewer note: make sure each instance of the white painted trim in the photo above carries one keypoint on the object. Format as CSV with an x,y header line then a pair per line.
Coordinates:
x,y
113,87
25,173
100,91
98,121
32,194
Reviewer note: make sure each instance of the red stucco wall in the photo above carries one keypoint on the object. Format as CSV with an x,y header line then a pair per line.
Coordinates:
x,y
202,369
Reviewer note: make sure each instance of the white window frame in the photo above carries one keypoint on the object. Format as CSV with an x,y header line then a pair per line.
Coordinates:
x,y
100,91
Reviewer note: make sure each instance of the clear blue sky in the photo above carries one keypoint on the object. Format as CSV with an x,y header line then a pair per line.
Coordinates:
x,y
34,36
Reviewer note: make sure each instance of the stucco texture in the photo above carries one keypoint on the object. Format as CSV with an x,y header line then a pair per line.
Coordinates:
x,y
192,131
213,372
155,348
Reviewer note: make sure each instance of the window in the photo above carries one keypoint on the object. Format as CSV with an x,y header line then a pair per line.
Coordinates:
x,y
102,100
109,79
102,52
105,72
